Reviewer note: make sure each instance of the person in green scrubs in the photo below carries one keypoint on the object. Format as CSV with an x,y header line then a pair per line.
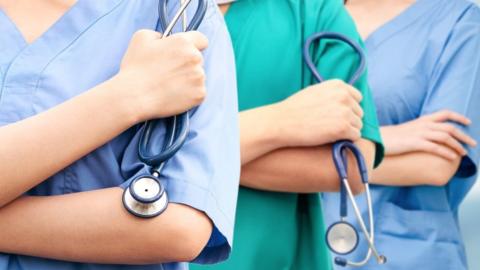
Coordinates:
x,y
288,124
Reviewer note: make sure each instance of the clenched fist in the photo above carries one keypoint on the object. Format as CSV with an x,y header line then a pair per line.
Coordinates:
x,y
163,76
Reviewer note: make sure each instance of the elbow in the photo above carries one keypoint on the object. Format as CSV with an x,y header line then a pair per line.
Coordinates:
x,y
441,172
189,231
440,177
191,243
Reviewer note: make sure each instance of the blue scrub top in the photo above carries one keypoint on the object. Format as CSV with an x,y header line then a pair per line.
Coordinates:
x,y
425,60
84,48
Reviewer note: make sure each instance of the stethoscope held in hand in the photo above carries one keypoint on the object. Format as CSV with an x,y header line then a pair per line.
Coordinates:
x,y
146,196
342,237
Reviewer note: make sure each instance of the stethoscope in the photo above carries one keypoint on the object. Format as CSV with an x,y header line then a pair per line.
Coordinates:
x,y
146,196
342,237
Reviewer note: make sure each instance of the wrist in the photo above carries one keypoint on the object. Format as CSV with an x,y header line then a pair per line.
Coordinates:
x,y
120,102
271,122
259,133
388,136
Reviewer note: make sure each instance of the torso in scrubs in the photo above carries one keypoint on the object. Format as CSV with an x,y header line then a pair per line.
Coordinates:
x,y
273,230
425,60
83,49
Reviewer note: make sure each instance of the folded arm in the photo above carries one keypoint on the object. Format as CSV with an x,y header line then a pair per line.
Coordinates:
x,y
416,168
424,151
94,227
34,149
303,170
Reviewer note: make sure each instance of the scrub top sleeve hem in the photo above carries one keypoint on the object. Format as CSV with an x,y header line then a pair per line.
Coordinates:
x,y
371,133
219,245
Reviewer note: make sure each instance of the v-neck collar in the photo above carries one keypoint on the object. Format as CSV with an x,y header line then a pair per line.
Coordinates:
x,y
20,36
399,22
32,58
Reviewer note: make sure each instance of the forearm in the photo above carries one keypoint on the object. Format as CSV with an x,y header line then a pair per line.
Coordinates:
x,y
36,148
302,170
258,133
94,227
415,168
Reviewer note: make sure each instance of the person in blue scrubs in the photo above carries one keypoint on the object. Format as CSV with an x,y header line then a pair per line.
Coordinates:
x,y
72,99
424,71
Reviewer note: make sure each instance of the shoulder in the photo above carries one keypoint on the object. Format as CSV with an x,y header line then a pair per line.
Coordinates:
x,y
453,20
449,13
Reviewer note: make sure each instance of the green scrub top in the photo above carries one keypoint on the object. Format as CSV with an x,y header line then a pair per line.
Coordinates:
x,y
274,230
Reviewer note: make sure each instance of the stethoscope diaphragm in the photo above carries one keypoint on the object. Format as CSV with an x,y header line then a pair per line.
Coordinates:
x,y
342,238
145,197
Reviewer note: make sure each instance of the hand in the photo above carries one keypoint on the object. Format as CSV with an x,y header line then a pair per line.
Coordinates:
x,y
163,77
430,134
320,114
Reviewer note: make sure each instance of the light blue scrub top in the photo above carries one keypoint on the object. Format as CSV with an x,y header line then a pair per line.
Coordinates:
x,y
425,60
83,49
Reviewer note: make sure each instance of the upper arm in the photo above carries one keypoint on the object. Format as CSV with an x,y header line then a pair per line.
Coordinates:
x,y
336,59
204,174
455,83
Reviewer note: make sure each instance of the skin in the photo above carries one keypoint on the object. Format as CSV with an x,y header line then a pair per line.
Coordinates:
x,y
283,144
94,226
427,140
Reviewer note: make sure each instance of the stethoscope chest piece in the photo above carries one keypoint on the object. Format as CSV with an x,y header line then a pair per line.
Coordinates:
x,y
342,237
145,197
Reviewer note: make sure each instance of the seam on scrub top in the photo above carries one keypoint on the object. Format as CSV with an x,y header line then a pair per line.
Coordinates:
x,y
221,95
207,191
40,77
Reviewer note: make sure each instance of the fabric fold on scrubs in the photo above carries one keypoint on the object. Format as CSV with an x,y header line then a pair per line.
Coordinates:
x,y
83,49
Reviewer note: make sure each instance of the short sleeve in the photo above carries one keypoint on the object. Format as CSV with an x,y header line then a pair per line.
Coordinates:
x,y
205,173
337,60
455,82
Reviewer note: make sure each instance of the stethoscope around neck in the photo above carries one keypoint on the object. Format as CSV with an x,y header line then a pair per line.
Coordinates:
x,y
146,196
342,237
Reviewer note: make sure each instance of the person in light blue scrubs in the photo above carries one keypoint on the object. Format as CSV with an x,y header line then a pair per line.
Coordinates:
x,y
424,71
73,217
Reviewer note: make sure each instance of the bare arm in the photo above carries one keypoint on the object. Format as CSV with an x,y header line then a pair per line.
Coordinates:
x,y
36,148
419,168
424,151
303,170
317,115
287,146
94,227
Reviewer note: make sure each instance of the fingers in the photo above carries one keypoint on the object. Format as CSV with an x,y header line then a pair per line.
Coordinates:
x,y
455,132
354,93
147,35
339,84
439,150
446,115
446,139
198,39
356,122
356,108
